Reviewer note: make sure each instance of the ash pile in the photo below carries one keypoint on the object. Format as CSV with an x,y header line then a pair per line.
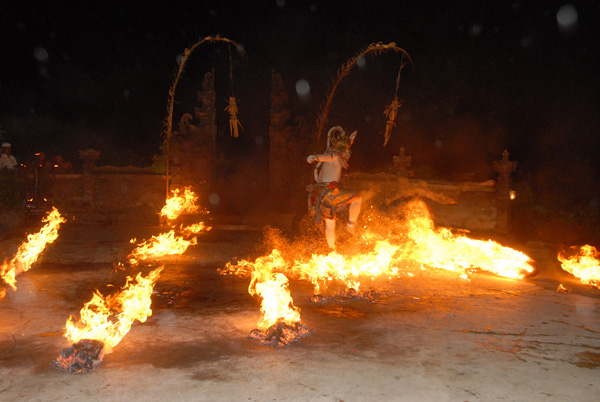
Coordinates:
x,y
82,357
349,295
280,334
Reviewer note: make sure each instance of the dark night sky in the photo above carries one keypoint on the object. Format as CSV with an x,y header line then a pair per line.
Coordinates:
x,y
486,77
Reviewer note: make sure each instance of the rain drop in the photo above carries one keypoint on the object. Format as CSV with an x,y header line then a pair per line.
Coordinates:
x,y
302,87
280,3
475,30
567,17
214,199
526,41
40,54
361,62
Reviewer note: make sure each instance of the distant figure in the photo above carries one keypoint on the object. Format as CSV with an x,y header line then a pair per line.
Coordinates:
x,y
7,161
327,197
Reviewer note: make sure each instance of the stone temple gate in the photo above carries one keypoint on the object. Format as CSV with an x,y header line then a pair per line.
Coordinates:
x,y
111,194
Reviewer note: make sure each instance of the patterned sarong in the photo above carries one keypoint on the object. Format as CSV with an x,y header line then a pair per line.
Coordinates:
x,y
325,199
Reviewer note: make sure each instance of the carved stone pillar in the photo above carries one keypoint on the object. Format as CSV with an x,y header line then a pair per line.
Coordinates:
x,y
197,137
402,164
504,168
279,135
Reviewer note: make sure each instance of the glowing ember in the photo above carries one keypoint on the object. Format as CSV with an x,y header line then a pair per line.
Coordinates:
x,y
108,319
81,357
280,334
30,250
159,246
177,205
585,265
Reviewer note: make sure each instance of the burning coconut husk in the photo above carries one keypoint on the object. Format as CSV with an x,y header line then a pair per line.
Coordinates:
x,y
105,321
82,357
29,251
280,323
159,246
584,264
179,204
280,334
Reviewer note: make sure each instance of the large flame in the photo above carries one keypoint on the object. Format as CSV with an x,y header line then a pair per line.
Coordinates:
x,y
269,283
277,304
322,268
585,265
417,243
108,319
440,248
159,246
29,251
177,205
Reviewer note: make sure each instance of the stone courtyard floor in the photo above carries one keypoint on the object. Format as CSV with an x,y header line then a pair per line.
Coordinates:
x,y
432,337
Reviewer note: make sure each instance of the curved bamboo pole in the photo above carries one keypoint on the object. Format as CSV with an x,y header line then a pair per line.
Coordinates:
x,y
376,48
168,123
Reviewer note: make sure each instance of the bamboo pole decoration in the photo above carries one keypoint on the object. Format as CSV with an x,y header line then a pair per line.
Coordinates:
x,y
375,48
168,123
232,108
391,111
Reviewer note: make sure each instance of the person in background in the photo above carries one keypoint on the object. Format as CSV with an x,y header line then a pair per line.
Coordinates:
x,y
7,161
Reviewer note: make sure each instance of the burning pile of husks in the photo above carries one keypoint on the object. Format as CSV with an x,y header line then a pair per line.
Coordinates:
x,y
81,357
177,205
280,334
105,320
401,247
29,251
280,324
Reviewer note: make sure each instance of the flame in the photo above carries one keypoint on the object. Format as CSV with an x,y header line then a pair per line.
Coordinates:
x,y
419,244
108,319
29,251
585,265
159,246
440,248
268,282
321,268
277,304
176,204
194,228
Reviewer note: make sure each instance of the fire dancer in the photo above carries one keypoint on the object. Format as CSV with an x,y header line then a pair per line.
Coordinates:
x,y
327,197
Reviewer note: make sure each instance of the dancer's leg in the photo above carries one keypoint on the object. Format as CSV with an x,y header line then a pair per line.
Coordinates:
x,y
330,233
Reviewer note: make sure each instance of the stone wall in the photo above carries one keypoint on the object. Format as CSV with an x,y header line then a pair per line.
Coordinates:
x,y
110,197
464,205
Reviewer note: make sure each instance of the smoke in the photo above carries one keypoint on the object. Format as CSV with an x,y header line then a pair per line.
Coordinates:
x,y
420,189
